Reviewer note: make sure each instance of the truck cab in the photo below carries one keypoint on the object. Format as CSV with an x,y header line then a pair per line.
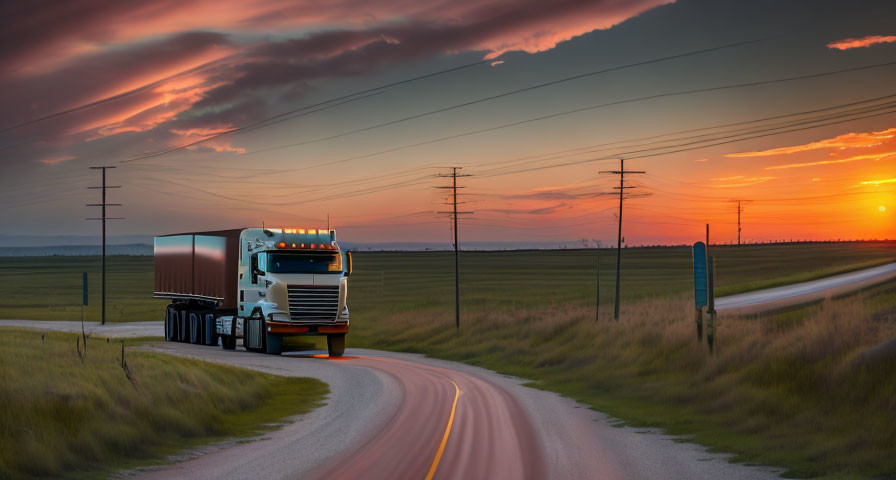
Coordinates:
x,y
291,282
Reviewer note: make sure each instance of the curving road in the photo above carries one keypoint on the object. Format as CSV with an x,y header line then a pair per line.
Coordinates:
x,y
397,416
805,292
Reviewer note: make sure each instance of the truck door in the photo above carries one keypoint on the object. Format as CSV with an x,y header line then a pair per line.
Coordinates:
x,y
252,283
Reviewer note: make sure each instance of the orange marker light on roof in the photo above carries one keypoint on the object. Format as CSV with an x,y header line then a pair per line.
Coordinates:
x,y
312,246
293,245
303,245
281,245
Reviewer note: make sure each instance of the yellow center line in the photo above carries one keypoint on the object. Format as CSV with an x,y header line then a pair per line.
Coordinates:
x,y
435,461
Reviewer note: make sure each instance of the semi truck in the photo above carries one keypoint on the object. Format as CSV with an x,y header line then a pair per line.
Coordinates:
x,y
257,284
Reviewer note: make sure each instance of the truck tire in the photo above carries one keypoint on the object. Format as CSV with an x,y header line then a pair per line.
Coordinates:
x,y
273,344
228,342
170,323
336,345
195,328
183,326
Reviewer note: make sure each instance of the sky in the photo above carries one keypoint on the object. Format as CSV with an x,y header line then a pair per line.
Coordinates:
x,y
233,113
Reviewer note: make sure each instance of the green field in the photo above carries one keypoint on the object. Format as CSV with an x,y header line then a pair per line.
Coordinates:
x,y
784,389
62,417
49,288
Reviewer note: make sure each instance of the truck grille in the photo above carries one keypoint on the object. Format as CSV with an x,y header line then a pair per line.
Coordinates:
x,y
313,303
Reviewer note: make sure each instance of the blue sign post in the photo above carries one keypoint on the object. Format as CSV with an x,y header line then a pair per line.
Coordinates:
x,y
84,288
700,287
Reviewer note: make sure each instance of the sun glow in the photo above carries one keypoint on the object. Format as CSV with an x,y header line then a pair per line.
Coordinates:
x,y
882,209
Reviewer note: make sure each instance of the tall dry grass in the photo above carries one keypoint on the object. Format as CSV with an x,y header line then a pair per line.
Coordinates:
x,y
790,389
62,416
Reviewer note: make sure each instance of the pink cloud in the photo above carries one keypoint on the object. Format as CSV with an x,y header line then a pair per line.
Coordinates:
x,y
848,43
105,78
841,142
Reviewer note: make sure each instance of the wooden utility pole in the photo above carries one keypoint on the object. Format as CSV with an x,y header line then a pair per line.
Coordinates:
x,y
454,213
622,187
103,206
740,209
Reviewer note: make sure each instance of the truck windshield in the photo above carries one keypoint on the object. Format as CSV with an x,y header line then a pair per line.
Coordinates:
x,y
304,262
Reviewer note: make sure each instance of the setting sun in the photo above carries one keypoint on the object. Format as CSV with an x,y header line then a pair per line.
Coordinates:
x,y
882,208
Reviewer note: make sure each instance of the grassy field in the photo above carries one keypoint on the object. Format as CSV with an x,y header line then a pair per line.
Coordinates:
x,y
781,390
65,418
49,288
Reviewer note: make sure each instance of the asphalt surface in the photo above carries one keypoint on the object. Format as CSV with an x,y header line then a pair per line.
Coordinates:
x,y
800,293
397,416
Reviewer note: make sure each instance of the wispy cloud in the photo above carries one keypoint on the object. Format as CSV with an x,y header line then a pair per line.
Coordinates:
x,y
848,43
848,140
743,181
873,156
878,182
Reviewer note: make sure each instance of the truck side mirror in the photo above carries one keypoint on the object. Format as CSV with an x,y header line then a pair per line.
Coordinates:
x,y
348,261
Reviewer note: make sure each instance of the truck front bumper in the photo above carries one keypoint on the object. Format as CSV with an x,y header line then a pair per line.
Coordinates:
x,y
278,328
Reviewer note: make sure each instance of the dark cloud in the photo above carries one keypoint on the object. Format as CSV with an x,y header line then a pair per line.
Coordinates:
x,y
242,87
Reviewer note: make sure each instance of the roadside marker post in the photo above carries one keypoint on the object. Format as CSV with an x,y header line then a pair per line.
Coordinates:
x,y
711,308
83,304
700,288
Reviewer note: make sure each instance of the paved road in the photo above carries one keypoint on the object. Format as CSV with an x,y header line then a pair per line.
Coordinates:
x,y
392,415
800,293
114,330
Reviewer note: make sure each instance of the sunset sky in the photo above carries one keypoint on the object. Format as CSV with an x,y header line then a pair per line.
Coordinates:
x,y
354,108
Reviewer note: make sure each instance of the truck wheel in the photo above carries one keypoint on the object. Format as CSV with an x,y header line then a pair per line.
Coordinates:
x,y
195,328
170,323
183,326
336,345
228,342
273,344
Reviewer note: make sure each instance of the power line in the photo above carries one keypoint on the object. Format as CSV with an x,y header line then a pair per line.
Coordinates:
x,y
509,93
569,112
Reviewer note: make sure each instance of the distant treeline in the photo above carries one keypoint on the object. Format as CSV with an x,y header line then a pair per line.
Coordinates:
x,y
137,249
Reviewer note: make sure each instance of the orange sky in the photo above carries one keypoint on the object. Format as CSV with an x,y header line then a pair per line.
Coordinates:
x,y
713,115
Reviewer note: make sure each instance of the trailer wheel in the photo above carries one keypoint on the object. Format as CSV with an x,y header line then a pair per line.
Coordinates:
x,y
195,328
170,323
183,326
336,345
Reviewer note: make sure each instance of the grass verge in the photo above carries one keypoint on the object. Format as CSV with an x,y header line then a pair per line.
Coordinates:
x,y
785,390
63,417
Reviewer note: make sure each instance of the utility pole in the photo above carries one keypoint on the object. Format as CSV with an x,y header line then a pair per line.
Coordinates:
x,y
454,213
739,210
622,187
103,206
